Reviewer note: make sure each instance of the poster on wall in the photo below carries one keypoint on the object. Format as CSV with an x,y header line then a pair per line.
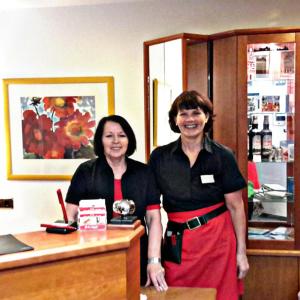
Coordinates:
x,y
270,103
50,124
262,65
287,68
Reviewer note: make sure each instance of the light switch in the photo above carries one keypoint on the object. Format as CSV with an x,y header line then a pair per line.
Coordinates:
x,y
7,203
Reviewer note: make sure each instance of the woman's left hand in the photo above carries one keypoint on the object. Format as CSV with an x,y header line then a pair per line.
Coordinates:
x,y
242,265
156,275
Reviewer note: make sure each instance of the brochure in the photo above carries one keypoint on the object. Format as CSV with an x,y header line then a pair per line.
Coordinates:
x,y
92,214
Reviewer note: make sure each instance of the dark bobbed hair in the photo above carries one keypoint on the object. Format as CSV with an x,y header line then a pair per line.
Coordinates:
x,y
98,146
191,100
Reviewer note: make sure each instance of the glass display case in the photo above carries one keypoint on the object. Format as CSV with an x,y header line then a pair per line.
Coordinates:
x,y
271,115
256,100
261,127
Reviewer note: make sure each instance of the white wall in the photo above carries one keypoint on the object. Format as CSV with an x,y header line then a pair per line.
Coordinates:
x,y
105,40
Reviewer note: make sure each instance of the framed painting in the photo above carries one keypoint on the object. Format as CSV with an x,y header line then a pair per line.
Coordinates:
x,y
50,124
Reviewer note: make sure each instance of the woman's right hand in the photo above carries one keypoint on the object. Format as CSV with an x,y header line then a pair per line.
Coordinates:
x,y
156,275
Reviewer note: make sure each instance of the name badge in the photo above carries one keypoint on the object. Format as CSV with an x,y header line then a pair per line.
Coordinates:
x,y
207,178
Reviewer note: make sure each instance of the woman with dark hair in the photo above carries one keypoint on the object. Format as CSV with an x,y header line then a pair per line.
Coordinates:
x,y
114,176
201,185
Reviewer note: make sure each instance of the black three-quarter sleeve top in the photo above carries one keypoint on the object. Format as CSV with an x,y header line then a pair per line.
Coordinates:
x,y
184,188
94,179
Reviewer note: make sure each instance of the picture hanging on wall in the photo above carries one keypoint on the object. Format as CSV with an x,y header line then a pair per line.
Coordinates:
x,y
287,68
262,65
50,124
162,100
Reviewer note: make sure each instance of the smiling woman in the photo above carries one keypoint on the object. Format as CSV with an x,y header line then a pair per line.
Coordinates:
x,y
114,176
115,143
191,122
201,186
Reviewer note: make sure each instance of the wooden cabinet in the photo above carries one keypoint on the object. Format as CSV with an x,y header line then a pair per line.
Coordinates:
x,y
272,275
257,66
171,64
238,70
274,271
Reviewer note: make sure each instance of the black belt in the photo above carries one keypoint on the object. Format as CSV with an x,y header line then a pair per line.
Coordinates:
x,y
196,221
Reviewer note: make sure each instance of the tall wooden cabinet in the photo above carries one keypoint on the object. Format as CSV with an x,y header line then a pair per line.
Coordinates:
x,y
255,75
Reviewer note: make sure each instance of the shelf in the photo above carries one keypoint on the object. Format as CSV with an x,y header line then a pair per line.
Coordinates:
x,y
274,162
269,238
274,79
271,244
270,112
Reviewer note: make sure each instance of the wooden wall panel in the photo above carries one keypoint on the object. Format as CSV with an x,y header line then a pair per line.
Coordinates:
x,y
225,91
269,38
133,270
98,276
242,122
197,67
81,265
272,278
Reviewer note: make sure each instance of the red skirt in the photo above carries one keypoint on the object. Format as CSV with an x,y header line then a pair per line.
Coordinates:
x,y
208,255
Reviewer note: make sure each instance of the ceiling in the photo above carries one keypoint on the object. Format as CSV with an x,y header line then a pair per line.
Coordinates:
x,y
15,4
161,17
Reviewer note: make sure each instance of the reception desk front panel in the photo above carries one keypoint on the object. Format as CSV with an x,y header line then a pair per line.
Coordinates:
x,y
80,265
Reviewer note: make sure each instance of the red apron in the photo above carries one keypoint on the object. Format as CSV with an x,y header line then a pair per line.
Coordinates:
x,y
208,255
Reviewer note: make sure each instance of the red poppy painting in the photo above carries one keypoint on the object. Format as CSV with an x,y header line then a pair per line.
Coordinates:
x,y
51,123
58,127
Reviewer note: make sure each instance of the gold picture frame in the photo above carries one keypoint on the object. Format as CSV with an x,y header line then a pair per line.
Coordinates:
x,y
50,123
161,103
155,111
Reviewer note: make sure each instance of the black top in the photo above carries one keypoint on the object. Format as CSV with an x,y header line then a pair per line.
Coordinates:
x,y
186,188
94,179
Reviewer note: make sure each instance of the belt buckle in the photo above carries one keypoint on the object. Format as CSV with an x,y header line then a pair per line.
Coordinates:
x,y
191,220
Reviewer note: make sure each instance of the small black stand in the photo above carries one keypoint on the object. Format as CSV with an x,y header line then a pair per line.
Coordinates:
x,y
123,220
61,229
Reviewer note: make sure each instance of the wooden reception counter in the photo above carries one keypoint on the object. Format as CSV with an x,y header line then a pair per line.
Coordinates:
x,y
79,265
180,293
